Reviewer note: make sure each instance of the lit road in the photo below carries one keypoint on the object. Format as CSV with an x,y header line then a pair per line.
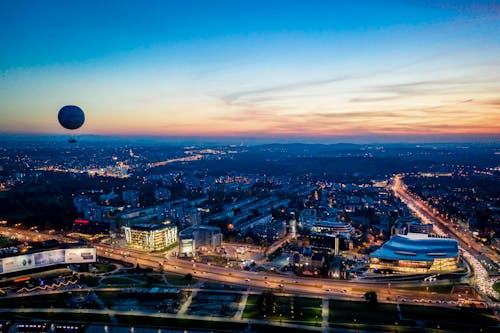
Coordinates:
x,y
471,250
255,280
191,158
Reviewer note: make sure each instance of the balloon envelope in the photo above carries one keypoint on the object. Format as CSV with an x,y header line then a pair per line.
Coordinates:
x,y
71,117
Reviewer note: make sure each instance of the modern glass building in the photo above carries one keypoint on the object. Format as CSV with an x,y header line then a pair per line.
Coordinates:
x,y
416,253
152,237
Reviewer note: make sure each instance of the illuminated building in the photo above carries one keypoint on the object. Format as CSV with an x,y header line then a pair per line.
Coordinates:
x,y
46,254
328,235
333,228
410,224
416,253
198,238
152,237
293,227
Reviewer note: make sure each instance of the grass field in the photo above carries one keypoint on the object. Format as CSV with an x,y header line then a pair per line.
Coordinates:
x,y
139,300
276,328
214,304
179,280
57,300
43,301
363,312
179,323
289,309
77,317
103,268
120,281
496,286
434,316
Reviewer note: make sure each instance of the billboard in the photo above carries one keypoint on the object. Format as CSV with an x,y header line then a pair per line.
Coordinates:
x,y
47,258
18,263
80,255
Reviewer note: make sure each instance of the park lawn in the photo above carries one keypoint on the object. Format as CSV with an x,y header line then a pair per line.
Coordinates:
x,y
451,327
154,279
60,316
180,280
113,298
251,310
109,297
179,323
362,313
496,286
58,300
120,281
289,309
214,304
460,316
103,268
274,328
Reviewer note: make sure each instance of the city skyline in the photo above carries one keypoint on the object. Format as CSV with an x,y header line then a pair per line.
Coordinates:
x,y
363,72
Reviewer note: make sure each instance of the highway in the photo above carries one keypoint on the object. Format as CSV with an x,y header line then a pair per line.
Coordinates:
x,y
471,249
255,280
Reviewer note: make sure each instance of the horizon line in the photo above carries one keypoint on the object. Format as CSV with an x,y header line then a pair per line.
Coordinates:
x,y
270,139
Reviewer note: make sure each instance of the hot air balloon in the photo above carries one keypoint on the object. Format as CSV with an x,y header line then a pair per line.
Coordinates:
x,y
71,117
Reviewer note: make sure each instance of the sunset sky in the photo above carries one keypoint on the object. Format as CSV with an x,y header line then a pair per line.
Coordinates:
x,y
395,69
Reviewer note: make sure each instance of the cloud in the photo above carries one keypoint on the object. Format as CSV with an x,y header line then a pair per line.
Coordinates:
x,y
373,99
236,96
490,102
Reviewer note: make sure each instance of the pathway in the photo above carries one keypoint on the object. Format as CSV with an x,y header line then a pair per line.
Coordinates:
x,y
187,303
103,306
241,306
325,311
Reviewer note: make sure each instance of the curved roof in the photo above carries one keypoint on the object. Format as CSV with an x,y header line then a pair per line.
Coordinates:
x,y
334,227
406,247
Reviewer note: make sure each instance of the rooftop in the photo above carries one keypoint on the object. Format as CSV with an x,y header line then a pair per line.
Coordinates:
x,y
420,247
150,226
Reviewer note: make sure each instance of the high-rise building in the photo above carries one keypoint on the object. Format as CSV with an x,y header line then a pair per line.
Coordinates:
x,y
152,237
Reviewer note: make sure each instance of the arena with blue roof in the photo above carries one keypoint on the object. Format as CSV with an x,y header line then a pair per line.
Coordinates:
x,y
416,253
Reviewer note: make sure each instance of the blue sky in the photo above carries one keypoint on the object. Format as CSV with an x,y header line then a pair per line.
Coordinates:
x,y
277,68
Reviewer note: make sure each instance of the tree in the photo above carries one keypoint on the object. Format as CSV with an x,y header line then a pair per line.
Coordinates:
x,y
371,296
267,303
188,277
